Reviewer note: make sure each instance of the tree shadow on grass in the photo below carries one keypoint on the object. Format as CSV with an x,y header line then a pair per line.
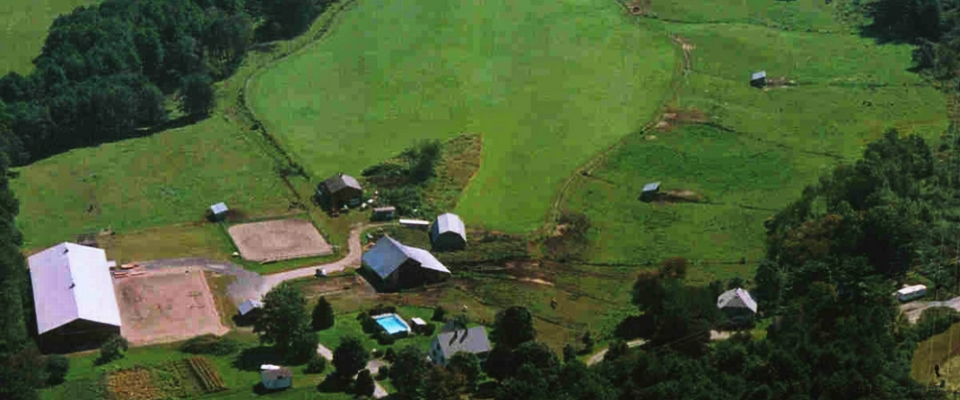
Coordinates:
x,y
252,358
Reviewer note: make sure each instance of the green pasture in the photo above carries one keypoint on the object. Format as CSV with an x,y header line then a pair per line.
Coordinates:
x,y
789,15
168,178
23,28
765,145
943,350
547,83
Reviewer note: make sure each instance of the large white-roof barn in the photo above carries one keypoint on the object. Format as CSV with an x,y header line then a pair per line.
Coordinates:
x,y
448,233
398,265
73,294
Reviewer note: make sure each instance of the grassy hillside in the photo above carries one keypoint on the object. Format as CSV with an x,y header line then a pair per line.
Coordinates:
x,y
547,83
766,145
23,27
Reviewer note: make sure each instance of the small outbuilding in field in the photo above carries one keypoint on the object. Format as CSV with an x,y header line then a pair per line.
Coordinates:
x,y
384,213
650,191
737,305
274,377
73,292
340,190
249,308
415,224
448,233
758,79
218,212
401,266
908,293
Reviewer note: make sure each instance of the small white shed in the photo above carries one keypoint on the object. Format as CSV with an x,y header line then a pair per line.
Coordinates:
x,y
274,377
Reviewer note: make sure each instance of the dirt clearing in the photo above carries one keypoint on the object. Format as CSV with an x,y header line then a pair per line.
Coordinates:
x,y
278,240
166,306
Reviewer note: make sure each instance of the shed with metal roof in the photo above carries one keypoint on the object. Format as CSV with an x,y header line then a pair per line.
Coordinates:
x,y
398,265
341,189
74,296
448,233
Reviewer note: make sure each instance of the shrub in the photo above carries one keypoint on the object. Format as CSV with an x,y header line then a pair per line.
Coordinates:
x,y
428,329
569,353
368,324
113,349
385,339
316,365
322,317
439,314
364,385
57,367
390,355
383,373
588,342
210,344
933,321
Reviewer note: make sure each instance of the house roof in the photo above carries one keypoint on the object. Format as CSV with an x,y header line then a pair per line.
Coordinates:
x,y
473,340
736,298
388,254
758,75
219,208
72,282
340,181
448,223
249,305
651,186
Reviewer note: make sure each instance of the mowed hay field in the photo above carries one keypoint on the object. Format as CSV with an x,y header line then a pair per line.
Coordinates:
x,y
23,27
762,147
548,84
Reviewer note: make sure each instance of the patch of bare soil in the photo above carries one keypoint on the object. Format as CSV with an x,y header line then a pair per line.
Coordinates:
x,y
778,83
677,196
638,7
278,240
674,117
166,306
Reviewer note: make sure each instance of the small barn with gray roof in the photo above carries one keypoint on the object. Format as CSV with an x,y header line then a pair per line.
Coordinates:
x,y
738,305
449,342
399,266
341,189
448,233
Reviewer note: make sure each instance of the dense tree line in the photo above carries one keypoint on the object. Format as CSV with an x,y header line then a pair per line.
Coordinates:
x,y
106,70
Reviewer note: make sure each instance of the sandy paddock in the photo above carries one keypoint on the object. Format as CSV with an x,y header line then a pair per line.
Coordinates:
x,y
278,240
166,306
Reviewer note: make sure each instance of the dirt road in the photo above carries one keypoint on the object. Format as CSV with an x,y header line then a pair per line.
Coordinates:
x,y
251,285
915,308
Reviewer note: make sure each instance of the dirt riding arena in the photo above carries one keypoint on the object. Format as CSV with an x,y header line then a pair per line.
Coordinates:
x,y
166,306
278,240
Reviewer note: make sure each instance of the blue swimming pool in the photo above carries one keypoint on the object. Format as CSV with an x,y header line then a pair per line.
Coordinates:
x,y
392,323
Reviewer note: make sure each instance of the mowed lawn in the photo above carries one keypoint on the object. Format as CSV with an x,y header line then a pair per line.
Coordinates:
x,y
169,178
547,83
768,145
23,28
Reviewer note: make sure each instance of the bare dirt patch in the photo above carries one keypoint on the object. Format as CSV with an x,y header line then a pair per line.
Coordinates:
x,y
678,196
672,117
166,306
278,240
